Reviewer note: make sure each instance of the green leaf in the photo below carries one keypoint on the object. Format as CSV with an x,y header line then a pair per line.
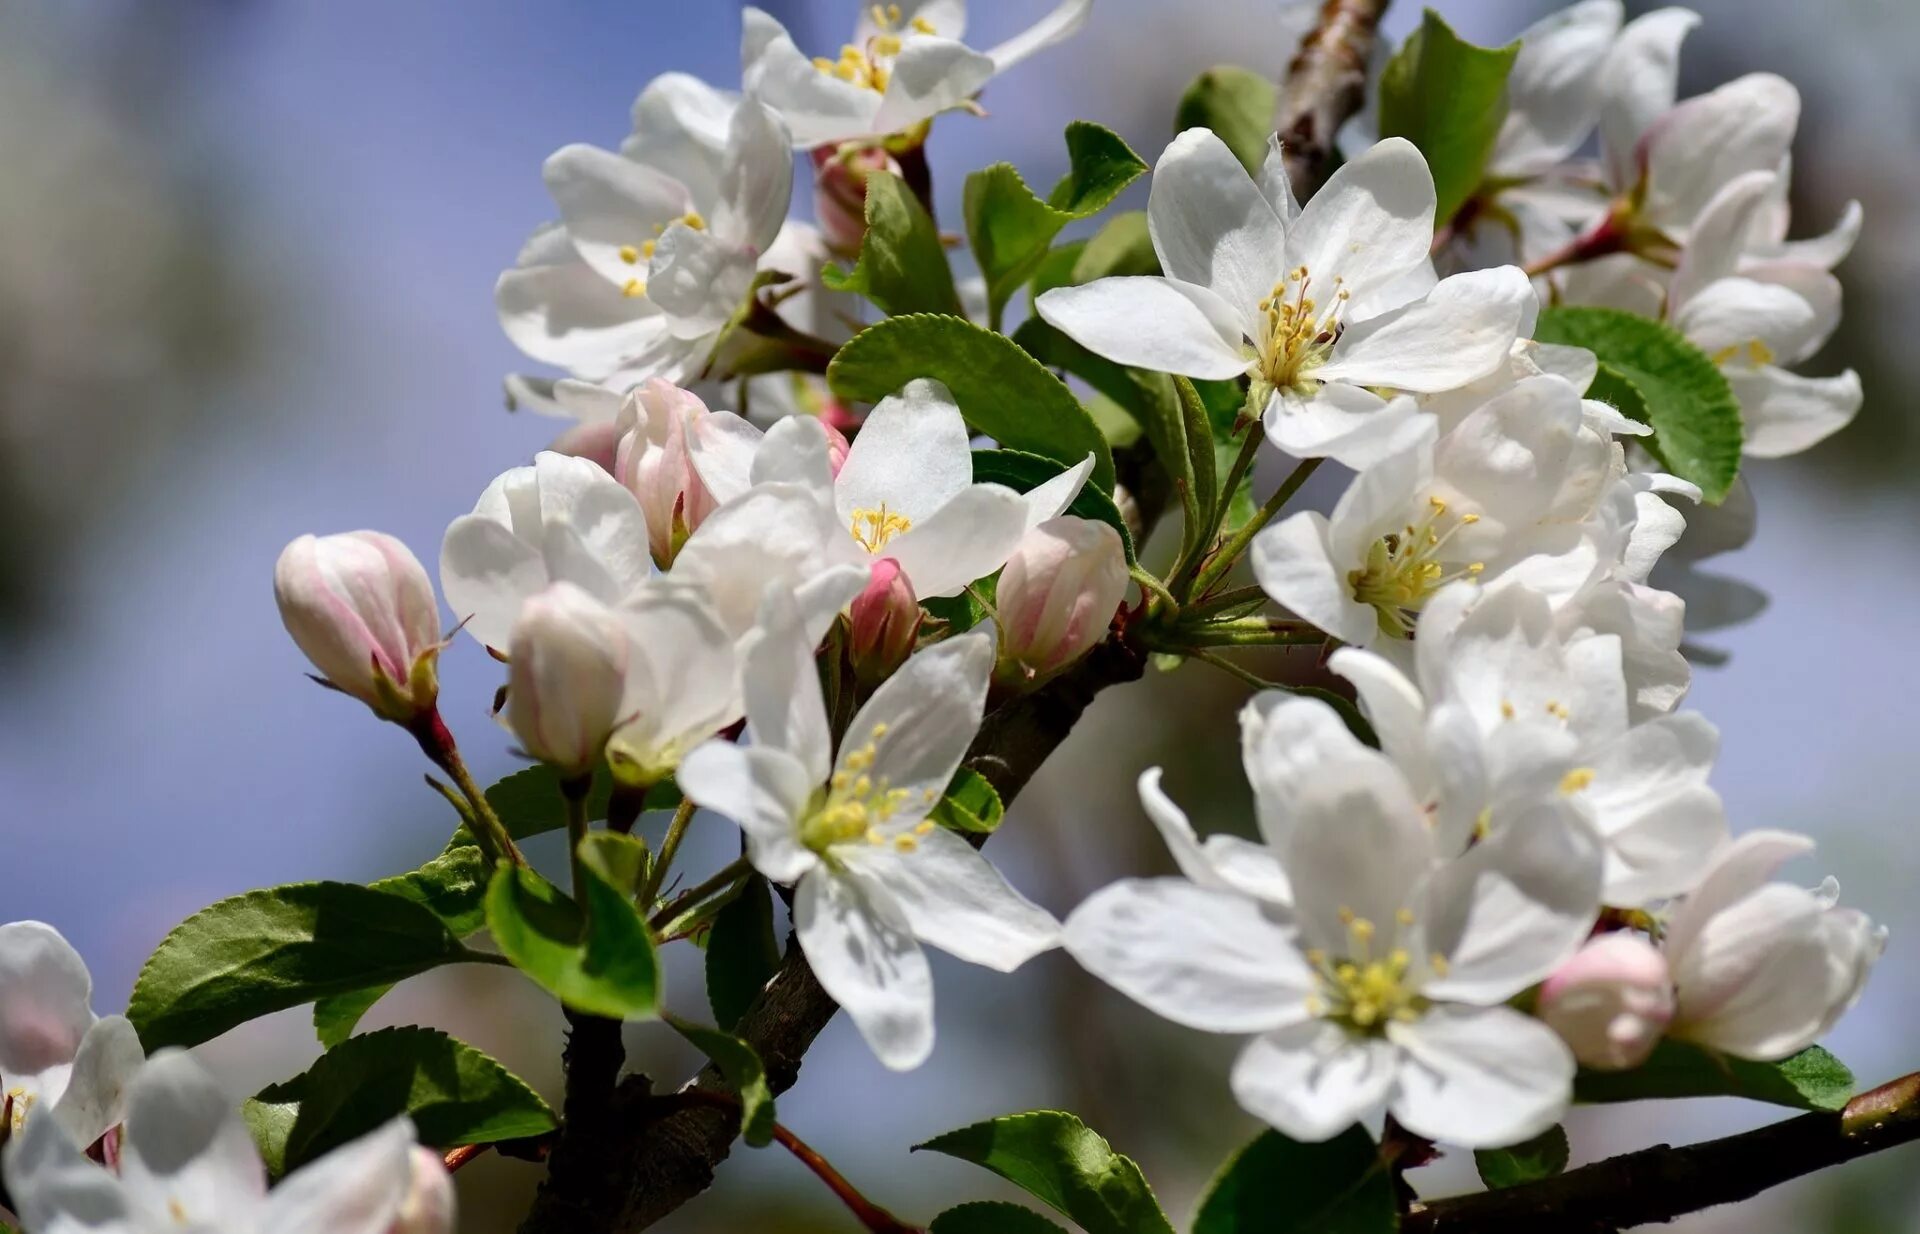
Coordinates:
x,y
1449,98
453,887
1617,391
453,1092
742,953
970,804
1811,1080
1541,1157
1022,472
1056,268
1197,433
609,969
902,266
280,947
530,804
992,1217
1238,105
743,1069
1279,1186
1057,1158
620,860
335,1017
1009,227
1695,417
1002,391
1122,246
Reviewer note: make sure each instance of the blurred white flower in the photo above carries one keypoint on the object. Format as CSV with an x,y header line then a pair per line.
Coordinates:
x,y
59,1062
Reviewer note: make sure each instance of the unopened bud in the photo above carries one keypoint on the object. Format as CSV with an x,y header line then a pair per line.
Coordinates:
x,y
840,191
569,665
886,620
837,443
653,461
597,442
1057,596
361,607
428,1208
1611,1002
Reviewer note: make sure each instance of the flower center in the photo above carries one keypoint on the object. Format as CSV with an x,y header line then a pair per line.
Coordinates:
x,y
633,256
1403,569
873,528
1368,990
871,67
13,1111
1296,337
1753,353
857,807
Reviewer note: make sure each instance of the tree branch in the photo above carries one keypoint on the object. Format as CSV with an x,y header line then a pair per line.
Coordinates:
x,y
1326,83
1660,1183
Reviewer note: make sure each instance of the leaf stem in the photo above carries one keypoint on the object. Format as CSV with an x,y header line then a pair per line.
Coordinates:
x,y
1203,608
437,743
669,849
723,880
1154,589
1229,553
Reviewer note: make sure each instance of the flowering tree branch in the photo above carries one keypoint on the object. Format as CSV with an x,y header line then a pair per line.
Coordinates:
x,y
1660,1183
1325,84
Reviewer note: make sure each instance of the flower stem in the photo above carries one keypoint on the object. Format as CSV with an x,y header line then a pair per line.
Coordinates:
x,y
1155,589
669,849
575,792
690,902
1230,552
1607,236
1251,632
1238,596
436,741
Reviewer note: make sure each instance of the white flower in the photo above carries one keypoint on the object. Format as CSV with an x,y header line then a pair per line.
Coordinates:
x,y
873,877
59,1063
360,606
658,247
569,661
1611,1002
777,533
560,520
1506,713
1058,594
187,1162
1512,479
905,491
1762,969
906,64
1384,985
1322,304
682,680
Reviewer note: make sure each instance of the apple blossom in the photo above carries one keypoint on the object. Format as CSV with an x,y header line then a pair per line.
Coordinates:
x,y
187,1161
905,65
1321,305
682,682
1057,596
1611,1002
654,462
569,656
560,520
58,1061
1762,969
360,606
883,623
873,877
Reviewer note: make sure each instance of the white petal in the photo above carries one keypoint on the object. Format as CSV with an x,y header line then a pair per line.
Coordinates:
x,y
1730,315
1805,985
1721,235
1360,848
680,127
564,313
775,533
784,705
57,1190
1638,84
1553,91
1275,185
762,789
794,451
929,76
1313,1080
185,1150
1294,562
1461,331
1394,707
487,573
610,203
698,280
1739,869
954,899
1650,800
968,538
683,677
358,1188
1353,426
1370,223
1210,224
110,1056
1224,861
921,720
1062,22
1203,957
817,107
44,998
1152,323
1051,498
911,457
1285,741
724,448
1745,125
756,180
1786,413
1480,1078
866,958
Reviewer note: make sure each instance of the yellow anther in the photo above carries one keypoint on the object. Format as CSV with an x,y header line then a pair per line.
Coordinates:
x,y
633,289
886,45
1558,710
874,837
922,26
1404,916
1483,824
905,844
1316,957
924,827
878,731
695,220
1576,780
1438,963
1506,710
1469,519
823,64
630,254
873,528
1759,352
1346,915
1361,929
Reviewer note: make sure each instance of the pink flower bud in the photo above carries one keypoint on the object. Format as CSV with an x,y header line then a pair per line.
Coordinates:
x,y
1611,1002
1057,596
597,442
654,463
840,191
361,607
837,443
886,621
428,1208
569,664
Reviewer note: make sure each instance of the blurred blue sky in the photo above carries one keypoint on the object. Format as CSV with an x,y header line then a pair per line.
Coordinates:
x,y
376,165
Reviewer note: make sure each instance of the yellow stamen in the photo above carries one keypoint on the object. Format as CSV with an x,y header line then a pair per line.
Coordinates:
x,y
633,289
629,254
873,528
1576,780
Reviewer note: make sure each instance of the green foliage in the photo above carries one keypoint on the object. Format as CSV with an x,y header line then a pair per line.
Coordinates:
x,y
1056,268
902,266
336,1016
1009,227
742,1066
1449,98
989,1217
1057,1158
742,952
1810,1080
1275,1185
453,887
1001,390
1122,246
1023,472
1541,1157
1238,105
601,961
621,861
970,805
1649,371
454,1094
1194,476
280,947
529,802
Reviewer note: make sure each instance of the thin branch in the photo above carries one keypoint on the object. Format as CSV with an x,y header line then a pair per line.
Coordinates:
x,y
1660,1183
1326,83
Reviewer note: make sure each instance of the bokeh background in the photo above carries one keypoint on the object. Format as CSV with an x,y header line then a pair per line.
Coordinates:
x,y
246,259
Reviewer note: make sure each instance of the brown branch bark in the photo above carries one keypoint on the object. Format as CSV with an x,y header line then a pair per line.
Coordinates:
x,y
1658,1184
1326,83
